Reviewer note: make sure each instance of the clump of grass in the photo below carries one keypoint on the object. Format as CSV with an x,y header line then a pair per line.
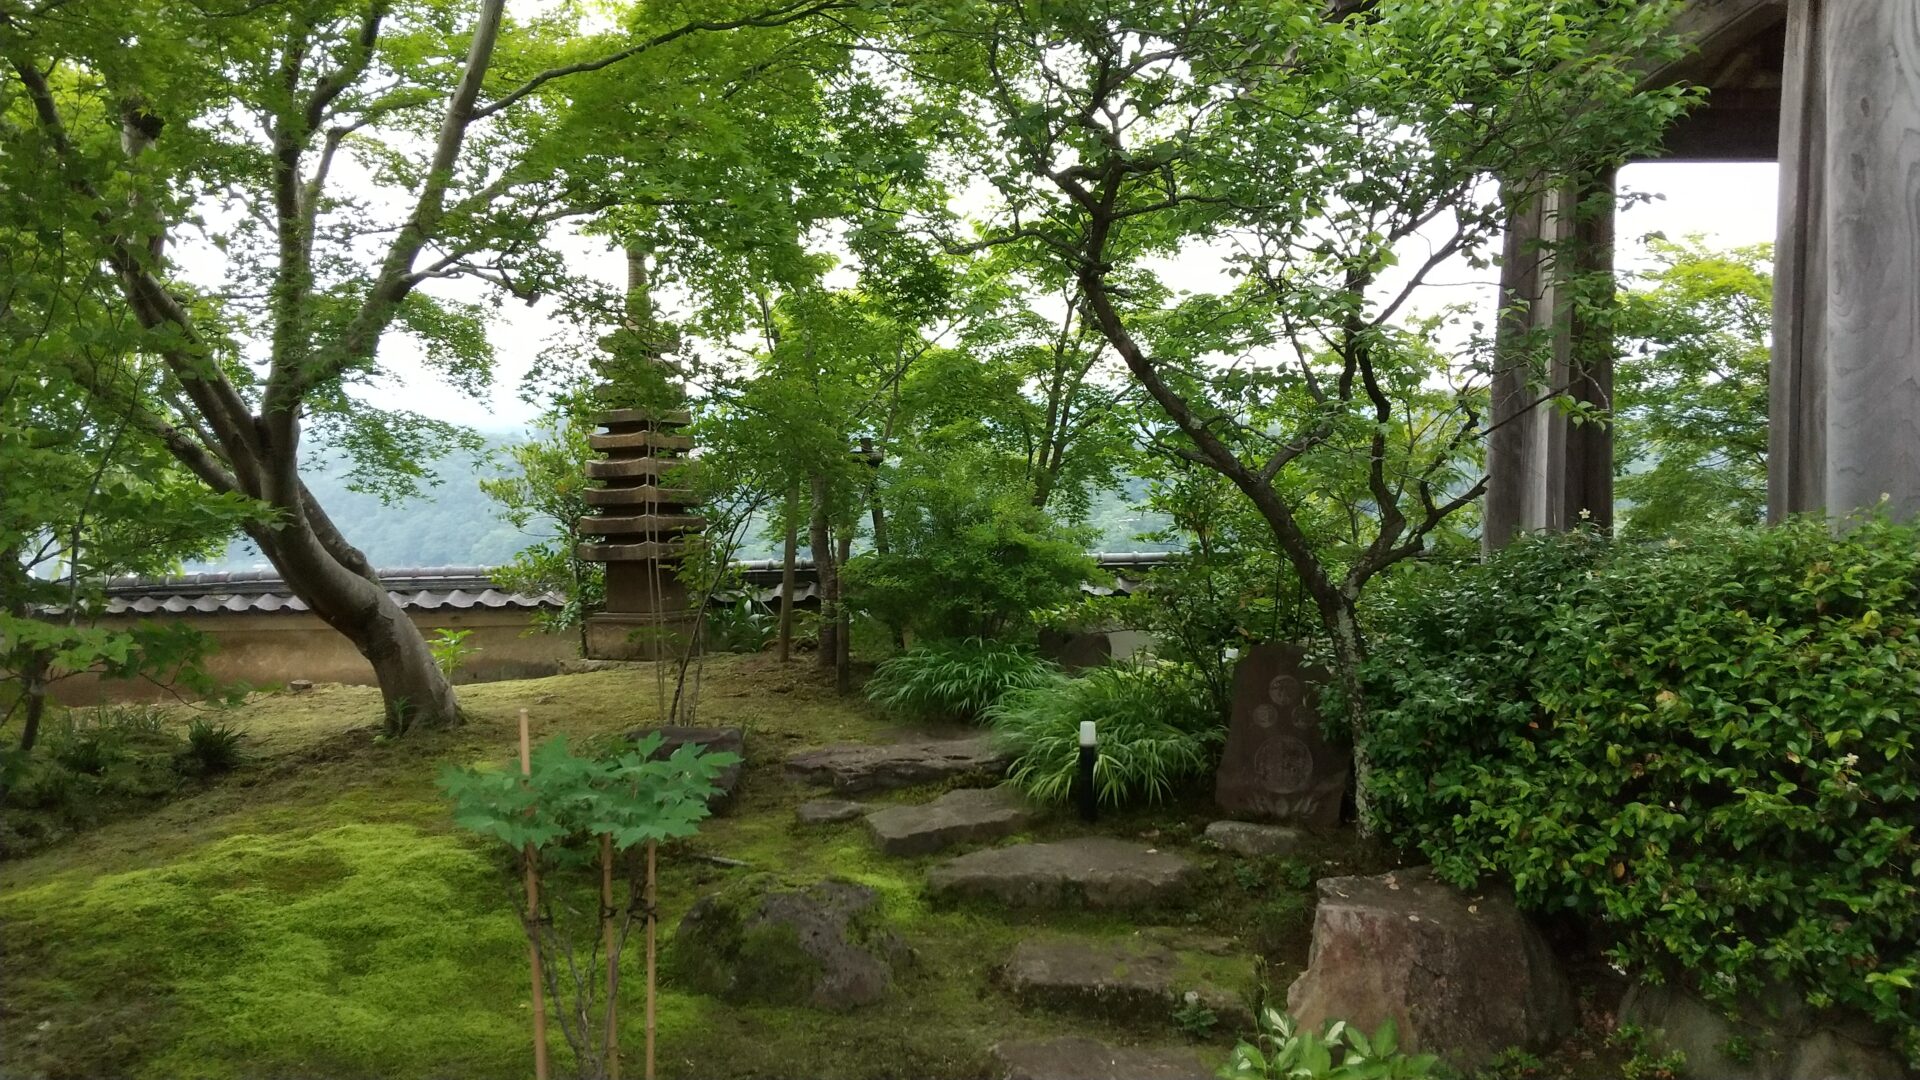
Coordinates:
x,y
955,680
213,747
1157,728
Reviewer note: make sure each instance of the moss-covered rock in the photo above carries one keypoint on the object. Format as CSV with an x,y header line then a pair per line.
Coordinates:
x,y
756,940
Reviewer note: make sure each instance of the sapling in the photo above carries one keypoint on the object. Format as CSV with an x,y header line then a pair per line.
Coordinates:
x,y
562,814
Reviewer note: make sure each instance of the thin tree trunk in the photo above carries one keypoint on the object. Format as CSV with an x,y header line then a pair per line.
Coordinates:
x,y
843,636
789,555
825,573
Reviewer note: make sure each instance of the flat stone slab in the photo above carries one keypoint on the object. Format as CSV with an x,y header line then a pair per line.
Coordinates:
x,y
961,816
1249,839
1115,980
732,740
857,768
829,811
1077,1058
1095,872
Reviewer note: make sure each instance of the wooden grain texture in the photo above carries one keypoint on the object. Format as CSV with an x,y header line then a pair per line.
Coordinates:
x,y
1847,309
1873,253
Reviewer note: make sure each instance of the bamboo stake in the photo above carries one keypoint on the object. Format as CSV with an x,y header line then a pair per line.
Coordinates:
x,y
533,925
652,920
613,954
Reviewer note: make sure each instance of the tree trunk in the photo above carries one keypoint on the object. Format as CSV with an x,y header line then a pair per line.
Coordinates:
x,y
790,553
825,573
1349,652
413,690
33,692
843,631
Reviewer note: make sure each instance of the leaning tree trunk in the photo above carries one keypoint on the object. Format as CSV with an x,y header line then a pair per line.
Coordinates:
x,y
338,583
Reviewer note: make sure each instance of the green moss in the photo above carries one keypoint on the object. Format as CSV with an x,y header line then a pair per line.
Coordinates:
x,y
317,914
730,954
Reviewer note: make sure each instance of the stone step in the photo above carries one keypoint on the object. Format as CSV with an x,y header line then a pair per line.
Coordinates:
x,y
1126,980
857,768
1093,872
1254,840
829,811
962,816
1079,1058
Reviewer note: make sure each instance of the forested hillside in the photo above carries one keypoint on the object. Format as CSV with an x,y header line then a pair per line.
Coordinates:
x,y
454,524
451,524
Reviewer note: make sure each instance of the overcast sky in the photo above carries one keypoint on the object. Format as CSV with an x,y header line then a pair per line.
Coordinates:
x,y
1730,205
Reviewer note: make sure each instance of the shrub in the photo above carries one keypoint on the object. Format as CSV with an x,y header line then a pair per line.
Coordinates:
x,y
954,680
1280,1051
1709,745
1158,728
967,557
450,650
213,747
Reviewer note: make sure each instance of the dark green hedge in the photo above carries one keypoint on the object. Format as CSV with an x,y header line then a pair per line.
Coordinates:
x,y
1708,745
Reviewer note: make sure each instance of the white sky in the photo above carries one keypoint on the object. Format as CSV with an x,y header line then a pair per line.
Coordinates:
x,y
1730,205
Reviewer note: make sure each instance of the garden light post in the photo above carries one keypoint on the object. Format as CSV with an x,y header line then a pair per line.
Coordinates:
x,y
1089,754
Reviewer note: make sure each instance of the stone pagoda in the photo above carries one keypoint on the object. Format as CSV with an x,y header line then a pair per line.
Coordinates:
x,y
641,528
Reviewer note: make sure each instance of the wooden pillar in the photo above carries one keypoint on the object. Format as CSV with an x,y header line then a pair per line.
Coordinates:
x,y
1545,472
1846,359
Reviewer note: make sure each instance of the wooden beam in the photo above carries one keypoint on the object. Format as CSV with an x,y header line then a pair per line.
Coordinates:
x,y
1717,29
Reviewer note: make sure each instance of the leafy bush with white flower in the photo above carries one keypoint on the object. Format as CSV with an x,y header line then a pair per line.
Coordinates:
x,y
1707,744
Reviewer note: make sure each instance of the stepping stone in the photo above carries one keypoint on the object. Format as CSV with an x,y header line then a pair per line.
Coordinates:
x,y
829,811
732,740
1076,1058
856,768
1095,872
1115,980
965,815
1249,839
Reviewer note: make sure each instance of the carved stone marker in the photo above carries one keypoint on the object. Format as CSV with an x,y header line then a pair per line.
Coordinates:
x,y
1277,765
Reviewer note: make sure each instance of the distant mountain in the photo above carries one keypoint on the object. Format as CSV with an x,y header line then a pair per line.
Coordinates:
x,y
454,523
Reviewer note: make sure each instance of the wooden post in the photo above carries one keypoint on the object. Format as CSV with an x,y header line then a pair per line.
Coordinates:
x,y
1542,471
533,924
613,956
652,922
1846,361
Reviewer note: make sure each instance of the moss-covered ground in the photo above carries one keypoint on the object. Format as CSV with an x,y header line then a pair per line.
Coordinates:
x,y
316,914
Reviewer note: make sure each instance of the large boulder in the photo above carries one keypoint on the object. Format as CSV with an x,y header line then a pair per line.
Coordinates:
x,y
1463,976
858,767
1094,872
757,940
961,816
1778,1035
